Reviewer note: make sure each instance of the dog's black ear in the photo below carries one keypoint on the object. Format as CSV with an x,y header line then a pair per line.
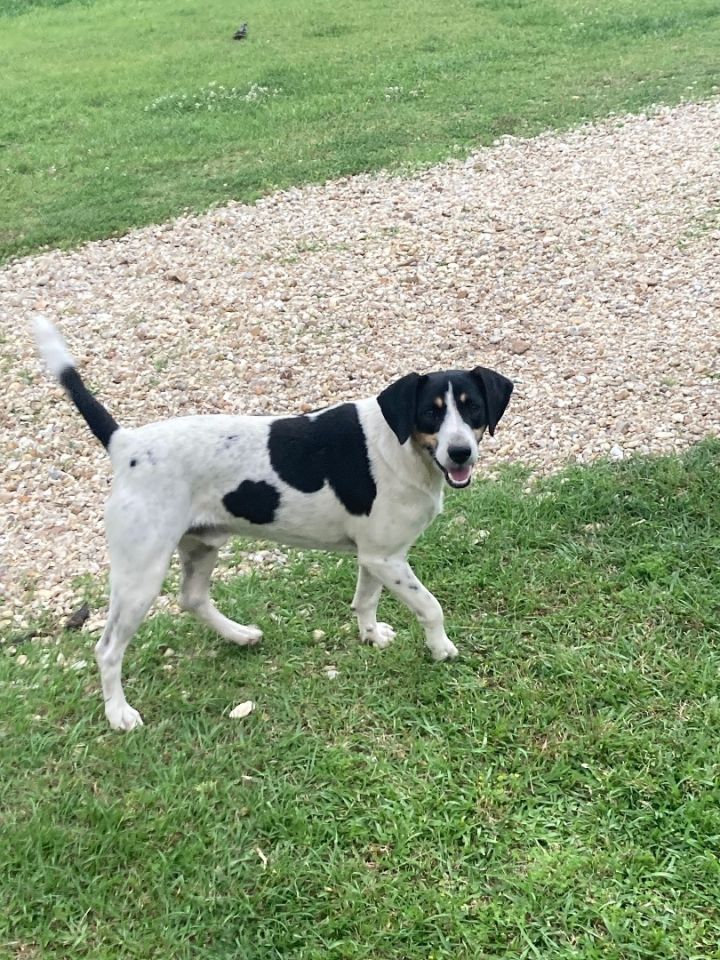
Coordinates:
x,y
398,403
496,390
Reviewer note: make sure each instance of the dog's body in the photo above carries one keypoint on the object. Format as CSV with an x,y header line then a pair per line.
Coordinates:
x,y
218,475
364,477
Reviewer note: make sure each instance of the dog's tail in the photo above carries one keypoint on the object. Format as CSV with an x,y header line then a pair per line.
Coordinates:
x,y
61,365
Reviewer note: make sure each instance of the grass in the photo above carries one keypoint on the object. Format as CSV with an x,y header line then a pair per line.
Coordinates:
x,y
117,113
554,793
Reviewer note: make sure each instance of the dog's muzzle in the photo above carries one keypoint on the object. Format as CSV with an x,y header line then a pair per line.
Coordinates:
x,y
458,470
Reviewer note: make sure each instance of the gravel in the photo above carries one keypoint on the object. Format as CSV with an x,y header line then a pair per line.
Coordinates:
x,y
584,266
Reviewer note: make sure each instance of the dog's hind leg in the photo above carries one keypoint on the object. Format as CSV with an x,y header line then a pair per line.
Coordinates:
x,y
365,602
134,584
198,559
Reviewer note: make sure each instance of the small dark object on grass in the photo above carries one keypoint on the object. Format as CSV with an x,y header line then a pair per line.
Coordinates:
x,y
241,32
77,618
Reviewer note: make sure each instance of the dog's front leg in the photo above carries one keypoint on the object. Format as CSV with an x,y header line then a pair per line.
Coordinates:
x,y
365,601
396,574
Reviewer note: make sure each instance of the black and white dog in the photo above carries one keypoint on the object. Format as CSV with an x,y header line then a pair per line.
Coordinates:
x,y
364,477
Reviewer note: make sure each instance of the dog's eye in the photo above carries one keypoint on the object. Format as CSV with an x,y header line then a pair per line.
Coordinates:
x,y
430,419
472,412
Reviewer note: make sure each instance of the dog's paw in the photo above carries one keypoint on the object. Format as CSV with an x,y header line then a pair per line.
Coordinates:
x,y
243,636
123,717
384,635
444,651
379,635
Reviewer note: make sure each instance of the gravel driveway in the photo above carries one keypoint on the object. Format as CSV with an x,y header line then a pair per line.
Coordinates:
x,y
584,266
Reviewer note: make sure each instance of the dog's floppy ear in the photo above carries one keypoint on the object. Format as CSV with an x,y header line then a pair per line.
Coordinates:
x,y
398,403
496,390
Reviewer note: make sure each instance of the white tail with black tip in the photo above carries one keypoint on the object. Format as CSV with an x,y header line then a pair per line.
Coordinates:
x,y
61,365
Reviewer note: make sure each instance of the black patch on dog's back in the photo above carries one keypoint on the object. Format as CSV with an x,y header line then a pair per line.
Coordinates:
x,y
306,452
256,501
294,454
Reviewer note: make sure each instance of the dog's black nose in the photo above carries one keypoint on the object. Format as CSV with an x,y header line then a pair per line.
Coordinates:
x,y
459,455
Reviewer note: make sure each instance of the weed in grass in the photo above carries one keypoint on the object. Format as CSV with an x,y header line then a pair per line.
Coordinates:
x,y
212,97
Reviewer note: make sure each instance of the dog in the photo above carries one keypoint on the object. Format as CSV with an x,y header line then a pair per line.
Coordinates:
x,y
364,477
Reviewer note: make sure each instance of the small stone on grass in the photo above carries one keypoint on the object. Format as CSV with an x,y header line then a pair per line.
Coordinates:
x,y
242,710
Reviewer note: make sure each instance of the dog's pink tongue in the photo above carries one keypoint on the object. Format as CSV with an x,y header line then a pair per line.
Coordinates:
x,y
459,474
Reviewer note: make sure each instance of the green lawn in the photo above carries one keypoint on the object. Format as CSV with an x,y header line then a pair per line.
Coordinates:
x,y
552,794
116,113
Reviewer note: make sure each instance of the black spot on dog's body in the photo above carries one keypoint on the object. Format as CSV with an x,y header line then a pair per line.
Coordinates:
x,y
307,452
148,458
256,501
293,453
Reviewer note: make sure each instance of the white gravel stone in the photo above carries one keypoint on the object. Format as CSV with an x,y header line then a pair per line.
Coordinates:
x,y
242,710
597,249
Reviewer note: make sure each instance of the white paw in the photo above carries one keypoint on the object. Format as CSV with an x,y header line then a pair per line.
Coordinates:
x,y
379,635
384,635
444,651
123,717
242,636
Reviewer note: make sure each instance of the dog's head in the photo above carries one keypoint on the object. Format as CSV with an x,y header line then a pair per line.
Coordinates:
x,y
446,414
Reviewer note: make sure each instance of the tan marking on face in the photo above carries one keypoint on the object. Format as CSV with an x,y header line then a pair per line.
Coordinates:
x,y
479,433
439,402
463,397
426,440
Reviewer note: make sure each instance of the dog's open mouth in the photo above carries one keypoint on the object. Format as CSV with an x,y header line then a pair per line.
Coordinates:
x,y
457,476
